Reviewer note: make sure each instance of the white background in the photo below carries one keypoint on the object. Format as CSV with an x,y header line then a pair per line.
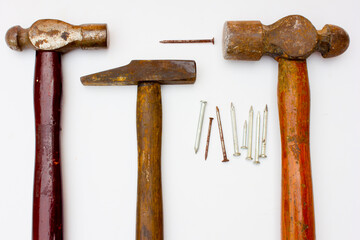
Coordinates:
x,y
202,199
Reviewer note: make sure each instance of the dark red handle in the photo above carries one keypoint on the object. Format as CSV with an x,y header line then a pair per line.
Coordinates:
x,y
297,216
149,216
47,205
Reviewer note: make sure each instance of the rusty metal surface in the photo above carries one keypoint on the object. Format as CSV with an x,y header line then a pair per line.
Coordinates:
x,y
190,41
292,37
162,71
56,35
243,40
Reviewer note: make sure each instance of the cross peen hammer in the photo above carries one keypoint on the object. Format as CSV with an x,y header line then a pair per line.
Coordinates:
x,y
290,41
148,75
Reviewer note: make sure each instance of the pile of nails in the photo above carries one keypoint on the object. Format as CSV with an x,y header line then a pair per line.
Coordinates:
x,y
247,139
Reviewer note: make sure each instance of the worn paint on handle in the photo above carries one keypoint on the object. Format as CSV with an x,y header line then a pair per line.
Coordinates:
x,y
149,216
297,216
47,205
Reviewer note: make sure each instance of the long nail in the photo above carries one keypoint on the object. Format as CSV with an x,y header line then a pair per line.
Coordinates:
x,y
257,142
264,133
244,136
199,127
208,137
251,116
190,41
234,131
221,135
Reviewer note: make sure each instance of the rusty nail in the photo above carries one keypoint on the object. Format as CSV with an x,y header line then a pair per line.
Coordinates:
x,y
221,135
208,137
190,41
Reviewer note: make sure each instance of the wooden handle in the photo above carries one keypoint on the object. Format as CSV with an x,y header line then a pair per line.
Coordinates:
x,y
149,216
297,217
47,205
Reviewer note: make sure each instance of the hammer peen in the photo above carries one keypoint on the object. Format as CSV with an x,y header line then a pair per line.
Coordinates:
x,y
50,38
289,41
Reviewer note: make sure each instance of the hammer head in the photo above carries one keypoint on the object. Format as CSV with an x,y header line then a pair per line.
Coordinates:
x,y
292,37
162,71
56,35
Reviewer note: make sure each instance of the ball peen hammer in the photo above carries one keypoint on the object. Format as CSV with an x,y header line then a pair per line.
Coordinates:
x,y
289,41
50,38
148,75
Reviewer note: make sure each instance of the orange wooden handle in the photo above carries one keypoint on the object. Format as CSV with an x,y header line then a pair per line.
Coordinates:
x,y
297,211
149,215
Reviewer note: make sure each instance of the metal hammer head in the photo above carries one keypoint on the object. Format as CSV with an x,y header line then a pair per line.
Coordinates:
x,y
56,35
292,37
161,71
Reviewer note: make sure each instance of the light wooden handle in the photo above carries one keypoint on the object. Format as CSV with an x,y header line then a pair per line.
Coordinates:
x,y
149,216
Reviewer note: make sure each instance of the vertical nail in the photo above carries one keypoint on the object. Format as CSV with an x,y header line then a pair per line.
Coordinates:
x,y
221,135
257,141
234,131
244,136
199,127
264,133
250,131
208,137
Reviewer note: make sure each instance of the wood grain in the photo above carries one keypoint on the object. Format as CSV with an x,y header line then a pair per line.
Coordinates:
x,y
297,216
149,216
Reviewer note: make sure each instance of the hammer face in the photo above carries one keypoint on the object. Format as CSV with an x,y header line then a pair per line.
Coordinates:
x,y
243,40
162,71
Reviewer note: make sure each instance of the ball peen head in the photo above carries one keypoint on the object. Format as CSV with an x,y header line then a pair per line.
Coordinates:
x,y
292,37
56,35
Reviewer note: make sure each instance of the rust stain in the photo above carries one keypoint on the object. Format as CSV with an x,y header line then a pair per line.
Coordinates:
x,y
40,42
65,35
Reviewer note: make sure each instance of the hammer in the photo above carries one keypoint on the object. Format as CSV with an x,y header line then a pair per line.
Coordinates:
x,y
148,75
289,41
50,38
